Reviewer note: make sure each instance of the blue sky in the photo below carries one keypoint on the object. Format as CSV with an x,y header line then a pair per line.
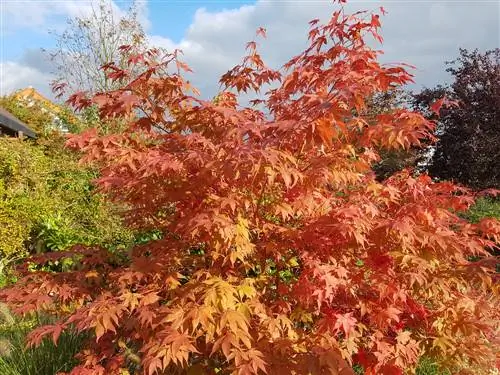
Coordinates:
x,y
213,33
173,18
169,18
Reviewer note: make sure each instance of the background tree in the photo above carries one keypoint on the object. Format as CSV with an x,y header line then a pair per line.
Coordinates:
x,y
468,150
392,161
280,253
93,40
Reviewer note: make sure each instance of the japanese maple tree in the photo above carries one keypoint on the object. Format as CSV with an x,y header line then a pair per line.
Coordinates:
x,y
281,253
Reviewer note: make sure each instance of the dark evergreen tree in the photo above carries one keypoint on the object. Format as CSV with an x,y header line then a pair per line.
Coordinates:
x,y
468,150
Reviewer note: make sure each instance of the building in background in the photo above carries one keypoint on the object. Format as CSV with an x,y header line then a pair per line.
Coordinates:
x,y
61,117
11,126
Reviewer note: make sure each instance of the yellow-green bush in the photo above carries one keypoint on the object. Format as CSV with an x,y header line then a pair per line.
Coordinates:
x,y
12,231
47,202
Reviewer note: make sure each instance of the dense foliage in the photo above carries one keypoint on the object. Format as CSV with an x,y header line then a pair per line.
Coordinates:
x,y
392,160
47,201
281,253
468,150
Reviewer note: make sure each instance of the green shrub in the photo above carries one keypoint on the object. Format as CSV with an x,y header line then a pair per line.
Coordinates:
x,y
47,202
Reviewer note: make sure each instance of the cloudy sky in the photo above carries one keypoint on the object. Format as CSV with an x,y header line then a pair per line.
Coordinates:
x,y
213,33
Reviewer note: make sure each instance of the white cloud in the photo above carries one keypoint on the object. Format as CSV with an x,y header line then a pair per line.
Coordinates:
x,y
421,33
39,15
33,67
14,76
143,14
38,59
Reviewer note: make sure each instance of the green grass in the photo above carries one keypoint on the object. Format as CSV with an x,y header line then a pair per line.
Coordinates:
x,y
46,359
426,366
484,207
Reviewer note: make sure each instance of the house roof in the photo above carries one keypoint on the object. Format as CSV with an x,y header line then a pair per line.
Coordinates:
x,y
12,124
31,93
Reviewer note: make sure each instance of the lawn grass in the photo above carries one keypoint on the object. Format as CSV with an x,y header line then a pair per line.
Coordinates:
x,y
46,359
484,207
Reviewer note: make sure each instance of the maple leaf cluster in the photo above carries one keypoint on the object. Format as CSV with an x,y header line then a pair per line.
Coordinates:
x,y
281,253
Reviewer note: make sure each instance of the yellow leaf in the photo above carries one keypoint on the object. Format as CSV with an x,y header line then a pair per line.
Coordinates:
x,y
444,343
246,290
293,262
91,274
